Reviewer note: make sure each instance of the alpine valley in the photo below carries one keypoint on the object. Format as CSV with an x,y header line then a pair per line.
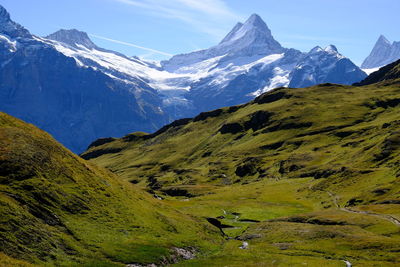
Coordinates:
x,y
243,154
78,92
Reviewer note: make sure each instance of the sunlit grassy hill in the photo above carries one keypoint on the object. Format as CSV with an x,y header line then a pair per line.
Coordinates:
x,y
57,209
306,176
344,137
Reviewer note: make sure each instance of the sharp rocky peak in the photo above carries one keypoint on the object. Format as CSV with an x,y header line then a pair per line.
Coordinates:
x,y
383,40
250,39
72,38
4,15
254,28
256,21
9,27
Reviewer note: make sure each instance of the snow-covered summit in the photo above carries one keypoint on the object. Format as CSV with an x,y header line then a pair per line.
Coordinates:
x,y
253,37
249,39
331,49
73,38
324,65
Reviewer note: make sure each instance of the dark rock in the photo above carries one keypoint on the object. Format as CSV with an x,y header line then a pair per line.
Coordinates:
x,y
389,145
319,174
136,137
390,201
174,124
232,128
354,202
153,183
177,192
207,154
246,169
210,114
271,97
165,168
386,103
380,191
258,120
344,134
273,146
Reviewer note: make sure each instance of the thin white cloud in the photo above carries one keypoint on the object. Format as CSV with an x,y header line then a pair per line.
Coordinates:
x,y
154,51
208,16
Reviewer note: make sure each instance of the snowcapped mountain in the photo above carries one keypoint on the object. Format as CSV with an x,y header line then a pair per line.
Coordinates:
x,y
251,39
249,61
325,65
77,91
75,104
383,53
246,63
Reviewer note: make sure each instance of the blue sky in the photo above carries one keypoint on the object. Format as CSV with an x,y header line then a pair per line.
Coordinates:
x,y
179,26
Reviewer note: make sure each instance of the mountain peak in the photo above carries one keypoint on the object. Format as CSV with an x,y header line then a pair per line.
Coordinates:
x,y
254,28
4,15
9,27
73,38
256,23
256,20
252,37
383,39
316,50
383,53
331,49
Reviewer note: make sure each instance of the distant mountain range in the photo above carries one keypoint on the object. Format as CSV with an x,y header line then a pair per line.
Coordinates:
x,y
383,53
79,92
74,103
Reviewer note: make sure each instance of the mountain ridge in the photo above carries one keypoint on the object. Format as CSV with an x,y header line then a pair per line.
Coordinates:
x,y
149,96
72,37
383,53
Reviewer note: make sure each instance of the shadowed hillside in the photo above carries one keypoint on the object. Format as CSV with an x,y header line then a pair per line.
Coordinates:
x,y
387,73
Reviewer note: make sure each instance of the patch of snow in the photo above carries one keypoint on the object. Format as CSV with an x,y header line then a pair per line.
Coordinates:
x,y
369,71
12,44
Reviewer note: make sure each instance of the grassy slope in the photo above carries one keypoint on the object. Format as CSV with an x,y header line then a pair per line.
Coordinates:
x,y
55,208
328,151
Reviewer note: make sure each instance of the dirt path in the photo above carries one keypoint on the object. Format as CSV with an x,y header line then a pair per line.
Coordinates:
x,y
382,216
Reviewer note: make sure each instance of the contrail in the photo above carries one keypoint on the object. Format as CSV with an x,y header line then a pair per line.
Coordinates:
x,y
132,45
